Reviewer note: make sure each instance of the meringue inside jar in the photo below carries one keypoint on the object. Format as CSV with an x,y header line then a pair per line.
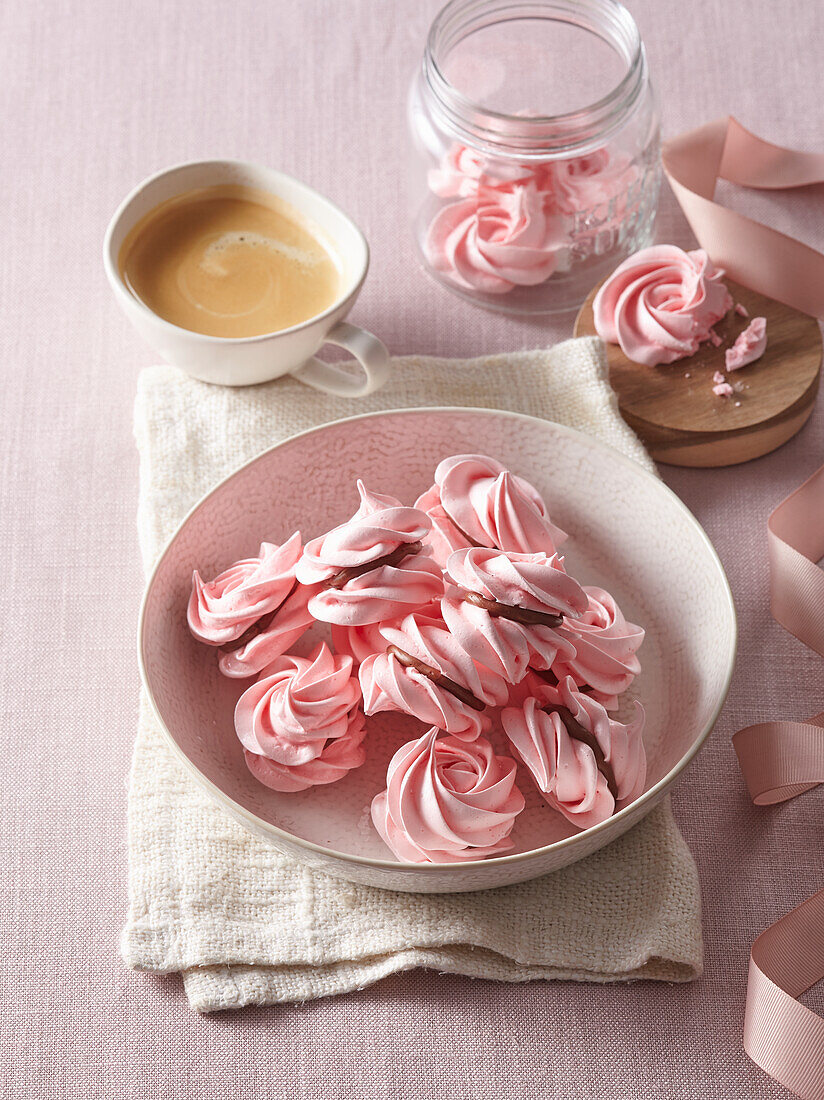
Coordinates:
x,y
536,165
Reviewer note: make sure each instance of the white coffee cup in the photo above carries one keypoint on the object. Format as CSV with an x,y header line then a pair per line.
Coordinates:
x,y
248,360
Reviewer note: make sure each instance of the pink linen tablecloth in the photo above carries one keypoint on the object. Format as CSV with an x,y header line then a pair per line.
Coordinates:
x,y
96,94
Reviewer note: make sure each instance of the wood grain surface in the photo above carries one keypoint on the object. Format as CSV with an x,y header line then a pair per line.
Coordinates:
x,y
679,418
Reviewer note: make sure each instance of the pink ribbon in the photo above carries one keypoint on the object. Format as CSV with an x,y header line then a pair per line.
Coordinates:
x,y
750,253
779,759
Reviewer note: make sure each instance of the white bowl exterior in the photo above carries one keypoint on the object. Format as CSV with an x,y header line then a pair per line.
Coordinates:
x,y
238,362
628,532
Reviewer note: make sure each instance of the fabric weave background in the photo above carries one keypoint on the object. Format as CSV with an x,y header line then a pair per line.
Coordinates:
x,y
95,95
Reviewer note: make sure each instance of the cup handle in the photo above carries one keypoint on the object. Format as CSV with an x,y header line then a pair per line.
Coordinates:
x,y
366,348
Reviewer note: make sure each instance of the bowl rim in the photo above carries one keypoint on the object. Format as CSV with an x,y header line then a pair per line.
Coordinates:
x,y
649,798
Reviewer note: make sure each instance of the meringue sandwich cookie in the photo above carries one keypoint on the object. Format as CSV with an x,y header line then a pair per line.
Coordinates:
x,y
361,642
583,761
373,567
253,611
506,607
606,647
300,723
271,636
476,501
447,800
424,672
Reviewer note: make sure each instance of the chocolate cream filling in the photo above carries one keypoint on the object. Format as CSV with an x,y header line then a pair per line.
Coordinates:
x,y
436,676
549,676
523,615
578,733
258,627
395,557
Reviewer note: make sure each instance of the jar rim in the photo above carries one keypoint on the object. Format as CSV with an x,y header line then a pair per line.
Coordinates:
x,y
534,137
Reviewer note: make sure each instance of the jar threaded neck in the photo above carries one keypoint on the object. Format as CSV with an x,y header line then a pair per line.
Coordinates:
x,y
533,137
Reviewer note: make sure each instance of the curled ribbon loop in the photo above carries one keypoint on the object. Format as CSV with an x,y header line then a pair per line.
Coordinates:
x,y
751,253
780,1034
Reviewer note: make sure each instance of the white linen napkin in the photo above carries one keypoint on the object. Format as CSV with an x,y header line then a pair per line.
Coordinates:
x,y
242,923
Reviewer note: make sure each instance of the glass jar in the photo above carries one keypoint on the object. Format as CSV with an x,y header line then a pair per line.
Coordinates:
x,y
536,164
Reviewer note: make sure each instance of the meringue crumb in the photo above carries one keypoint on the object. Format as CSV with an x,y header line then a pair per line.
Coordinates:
x,y
738,404
715,339
749,345
718,377
687,374
723,389
741,310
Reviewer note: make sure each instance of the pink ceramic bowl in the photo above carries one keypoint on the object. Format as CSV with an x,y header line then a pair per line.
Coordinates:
x,y
628,533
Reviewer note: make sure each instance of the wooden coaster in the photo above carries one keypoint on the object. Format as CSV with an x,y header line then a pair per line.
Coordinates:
x,y
679,418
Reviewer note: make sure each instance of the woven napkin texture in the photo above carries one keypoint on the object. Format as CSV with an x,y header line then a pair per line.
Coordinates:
x,y
242,923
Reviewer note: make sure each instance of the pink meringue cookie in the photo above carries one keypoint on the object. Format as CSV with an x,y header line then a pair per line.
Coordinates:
x,y
297,705
387,592
504,647
223,609
335,761
496,240
463,172
542,684
382,526
447,801
477,501
660,304
533,582
294,714
361,642
527,582
289,623
605,647
749,345
565,767
444,537
388,684
591,182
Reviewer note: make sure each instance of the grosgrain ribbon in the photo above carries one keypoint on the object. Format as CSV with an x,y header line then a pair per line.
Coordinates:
x,y
779,759
750,253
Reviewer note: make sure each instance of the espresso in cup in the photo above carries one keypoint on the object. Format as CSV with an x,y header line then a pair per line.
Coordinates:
x,y
230,261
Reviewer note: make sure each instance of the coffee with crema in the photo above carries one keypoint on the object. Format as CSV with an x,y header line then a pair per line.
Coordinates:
x,y
229,261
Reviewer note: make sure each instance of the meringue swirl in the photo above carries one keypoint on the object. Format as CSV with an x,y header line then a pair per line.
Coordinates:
x,y
534,582
463,172
591,182
503,646
223,609
388,684
660,304
380,527
565,768
447,801
605,647
297,705
496,239
361,642
335,761
290,622
492,507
